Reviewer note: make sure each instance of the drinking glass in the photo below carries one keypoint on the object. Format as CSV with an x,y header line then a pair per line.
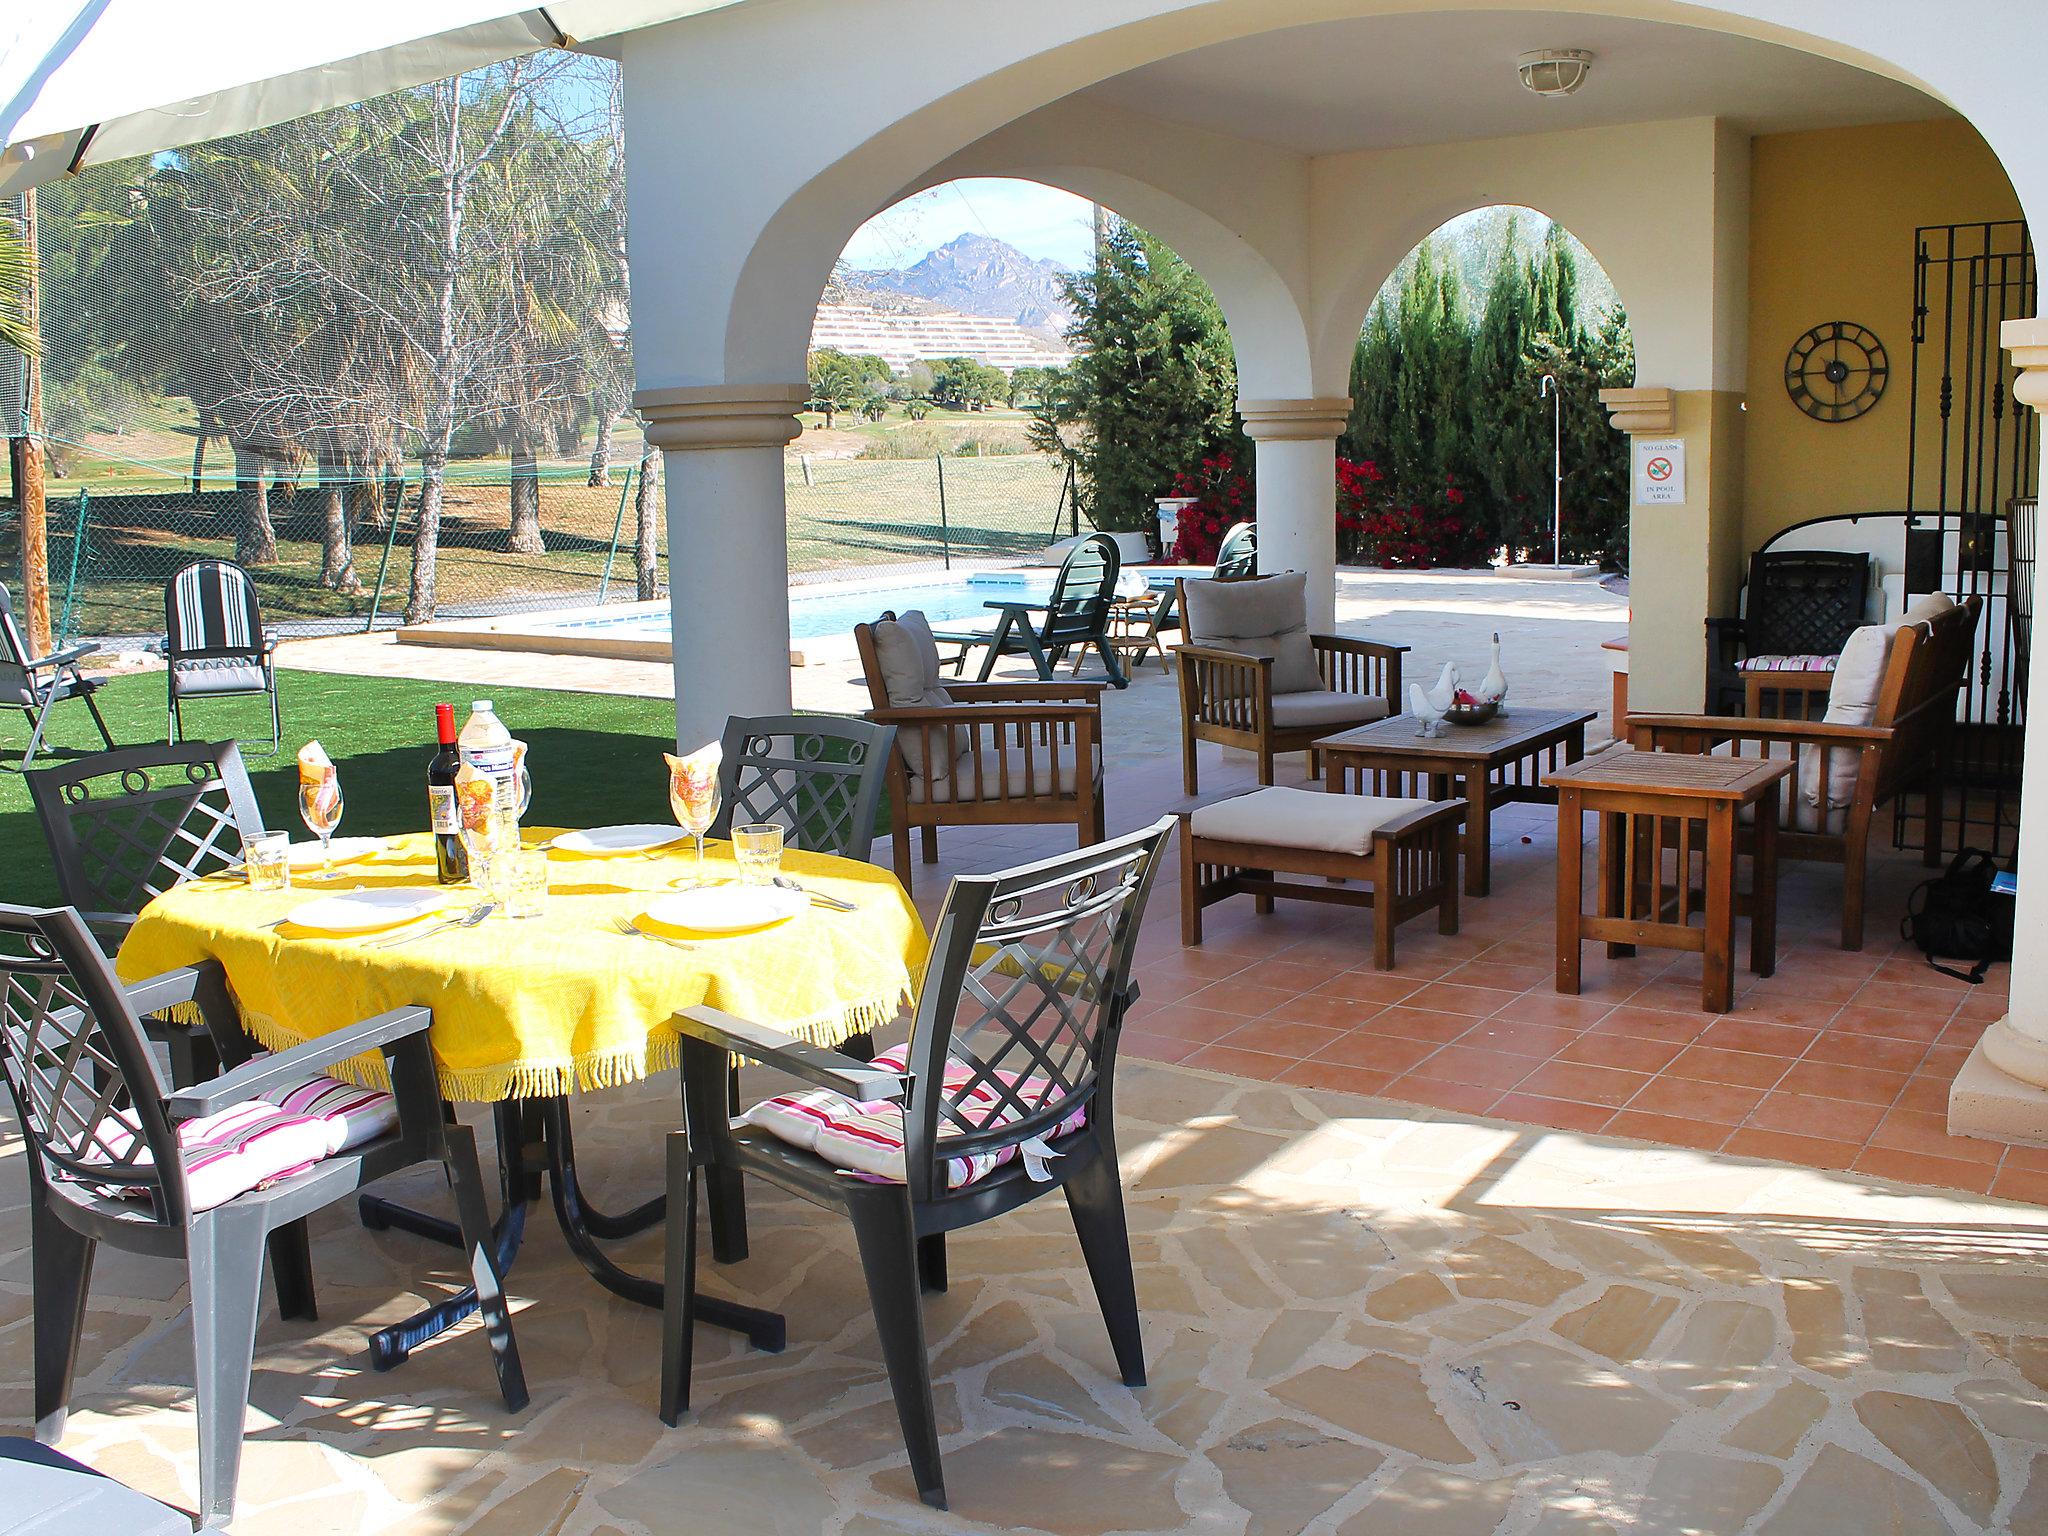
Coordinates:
x,y
694,801
757,849
320,809
523,882
267,861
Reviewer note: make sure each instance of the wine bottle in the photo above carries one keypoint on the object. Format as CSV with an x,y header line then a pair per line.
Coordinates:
x,y
451,860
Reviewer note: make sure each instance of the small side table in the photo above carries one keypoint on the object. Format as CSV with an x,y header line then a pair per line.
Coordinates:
x,y
1636,794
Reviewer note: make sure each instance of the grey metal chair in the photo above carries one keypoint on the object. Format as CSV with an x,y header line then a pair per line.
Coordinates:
x,y
105,1166
215,645
127,825
35,685
1074,617
819,777
1238,555
1024,995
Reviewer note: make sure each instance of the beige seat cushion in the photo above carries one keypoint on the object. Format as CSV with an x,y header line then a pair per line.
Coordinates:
x,y
1852,700
1310,819
1048,775
1297,711
908,658
1267,616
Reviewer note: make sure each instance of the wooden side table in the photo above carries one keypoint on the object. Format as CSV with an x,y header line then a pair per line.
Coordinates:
x,y
1505,761
1635,795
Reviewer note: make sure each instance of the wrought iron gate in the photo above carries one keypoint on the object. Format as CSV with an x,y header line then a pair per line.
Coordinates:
x,y
1972,452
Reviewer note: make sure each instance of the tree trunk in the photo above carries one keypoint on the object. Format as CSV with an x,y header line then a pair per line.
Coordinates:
x,y
426,540
255,539
337,553
647,525
601,455
829,414
366,502
525,536
205,430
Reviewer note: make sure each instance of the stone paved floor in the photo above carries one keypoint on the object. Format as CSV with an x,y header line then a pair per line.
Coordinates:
x,y
1617,1307
1362,1319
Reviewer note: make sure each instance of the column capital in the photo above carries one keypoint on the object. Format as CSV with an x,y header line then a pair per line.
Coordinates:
x,y
722,415
1323,417
2027,341
1651,408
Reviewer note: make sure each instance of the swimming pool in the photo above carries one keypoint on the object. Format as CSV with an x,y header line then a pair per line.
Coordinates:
x,y
821,617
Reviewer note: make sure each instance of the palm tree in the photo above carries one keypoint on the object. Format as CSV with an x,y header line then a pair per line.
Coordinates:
x,y
17,275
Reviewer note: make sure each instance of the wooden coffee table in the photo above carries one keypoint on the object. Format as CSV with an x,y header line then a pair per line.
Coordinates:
x,y
1497,763
1648,801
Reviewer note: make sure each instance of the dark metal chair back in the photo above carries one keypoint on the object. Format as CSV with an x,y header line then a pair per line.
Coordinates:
x,y
211,613
1078,611
1238,554
819,777
127,825
73,1052
1804,601
1026,989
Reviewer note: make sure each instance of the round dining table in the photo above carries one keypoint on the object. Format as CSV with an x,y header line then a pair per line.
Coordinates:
x,y
528,1011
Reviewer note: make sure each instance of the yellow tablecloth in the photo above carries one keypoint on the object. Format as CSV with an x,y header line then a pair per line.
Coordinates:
x,y
530,1007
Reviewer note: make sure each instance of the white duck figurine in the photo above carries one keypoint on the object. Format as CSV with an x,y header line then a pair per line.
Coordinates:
x,y
1495,689
1445,693
1419,706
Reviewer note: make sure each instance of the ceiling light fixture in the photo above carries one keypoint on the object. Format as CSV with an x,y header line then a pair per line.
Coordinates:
x,y
1555,71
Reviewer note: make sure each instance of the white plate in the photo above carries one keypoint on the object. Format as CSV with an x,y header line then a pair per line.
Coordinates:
x,y
367,911
307,855
638,837
726,908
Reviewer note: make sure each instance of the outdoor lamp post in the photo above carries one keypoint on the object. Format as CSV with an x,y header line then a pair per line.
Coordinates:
x,y
1549,387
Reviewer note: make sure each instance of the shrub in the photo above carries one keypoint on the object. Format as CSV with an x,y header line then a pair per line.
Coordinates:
x,y
1223,498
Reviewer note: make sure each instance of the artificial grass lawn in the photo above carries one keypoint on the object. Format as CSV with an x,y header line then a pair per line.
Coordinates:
x,y
595,758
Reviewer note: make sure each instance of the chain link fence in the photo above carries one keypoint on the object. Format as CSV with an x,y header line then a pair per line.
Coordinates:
x,y
342,555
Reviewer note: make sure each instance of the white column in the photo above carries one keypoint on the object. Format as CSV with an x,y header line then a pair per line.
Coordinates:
x,y
1296,446
2002,1091
728,547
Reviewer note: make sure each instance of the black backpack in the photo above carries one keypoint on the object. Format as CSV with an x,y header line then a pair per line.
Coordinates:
x,y
1959,916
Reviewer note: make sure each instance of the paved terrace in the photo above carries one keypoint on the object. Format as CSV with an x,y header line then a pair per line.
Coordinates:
x,y
1437,1253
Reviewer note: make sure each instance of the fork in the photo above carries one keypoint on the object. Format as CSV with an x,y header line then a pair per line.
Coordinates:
x,y
818,898
627,926
469,919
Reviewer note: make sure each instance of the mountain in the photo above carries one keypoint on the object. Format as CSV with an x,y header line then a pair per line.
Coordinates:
x,y
978,275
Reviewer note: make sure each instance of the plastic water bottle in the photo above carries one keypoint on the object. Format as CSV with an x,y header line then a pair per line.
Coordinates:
x,y
486,746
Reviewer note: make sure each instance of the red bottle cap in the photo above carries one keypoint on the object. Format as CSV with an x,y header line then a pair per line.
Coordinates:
x,y
444,722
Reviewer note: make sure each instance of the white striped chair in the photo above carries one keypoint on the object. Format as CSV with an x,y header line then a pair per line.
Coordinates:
x,y
215,644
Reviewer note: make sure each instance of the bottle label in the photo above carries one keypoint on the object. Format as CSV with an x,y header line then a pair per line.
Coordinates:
x,y
441,807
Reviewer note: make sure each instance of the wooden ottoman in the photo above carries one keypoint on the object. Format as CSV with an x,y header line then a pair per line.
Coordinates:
x,y
1400,856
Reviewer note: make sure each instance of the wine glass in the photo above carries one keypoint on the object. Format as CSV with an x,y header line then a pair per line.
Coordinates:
x,y
320,809
693,799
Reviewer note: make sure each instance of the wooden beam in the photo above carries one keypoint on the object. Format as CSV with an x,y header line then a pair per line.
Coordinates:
x,y
25,459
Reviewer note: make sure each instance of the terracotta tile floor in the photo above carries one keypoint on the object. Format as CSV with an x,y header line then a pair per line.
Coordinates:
x,y
1840,1060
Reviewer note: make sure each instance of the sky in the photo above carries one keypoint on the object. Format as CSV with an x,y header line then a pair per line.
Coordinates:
x,y
1040,221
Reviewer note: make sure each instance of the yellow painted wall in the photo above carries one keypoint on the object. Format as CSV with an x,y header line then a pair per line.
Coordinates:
x,y
1831,222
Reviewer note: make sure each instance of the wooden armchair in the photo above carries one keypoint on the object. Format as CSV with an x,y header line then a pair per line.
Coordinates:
x,y
1849,766
1273,687
978,754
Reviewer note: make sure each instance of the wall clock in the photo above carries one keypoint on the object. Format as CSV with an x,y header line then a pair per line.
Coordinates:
x,y
1836,371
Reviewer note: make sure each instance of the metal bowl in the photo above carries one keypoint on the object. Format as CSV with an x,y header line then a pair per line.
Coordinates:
x,y
1472,714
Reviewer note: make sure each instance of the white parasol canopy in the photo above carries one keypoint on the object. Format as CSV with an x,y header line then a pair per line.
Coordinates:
x,y
82,81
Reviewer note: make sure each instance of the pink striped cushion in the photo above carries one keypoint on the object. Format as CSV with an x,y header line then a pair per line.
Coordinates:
x,y
867,1139
1788,663
352,1115
244,1147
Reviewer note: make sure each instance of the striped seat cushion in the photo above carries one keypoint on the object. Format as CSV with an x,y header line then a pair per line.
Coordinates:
x,y
867,1139
244,1147
352,1115
1788,663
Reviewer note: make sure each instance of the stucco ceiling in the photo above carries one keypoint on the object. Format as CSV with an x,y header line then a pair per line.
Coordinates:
x,y
1385,81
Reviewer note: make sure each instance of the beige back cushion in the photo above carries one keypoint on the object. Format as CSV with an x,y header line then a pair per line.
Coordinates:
x,y
908,659
1267,616
1852,700
1928,605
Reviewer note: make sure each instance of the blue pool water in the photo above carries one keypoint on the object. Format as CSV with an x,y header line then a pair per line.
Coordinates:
x,y
946,600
